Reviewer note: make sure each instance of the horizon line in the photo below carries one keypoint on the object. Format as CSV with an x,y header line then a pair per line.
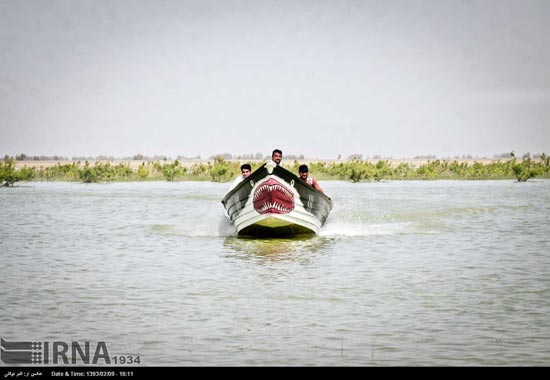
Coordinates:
x,y
258,157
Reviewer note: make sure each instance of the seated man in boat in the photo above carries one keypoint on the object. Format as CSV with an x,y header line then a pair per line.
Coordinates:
x,y
277,156
303,170
246,169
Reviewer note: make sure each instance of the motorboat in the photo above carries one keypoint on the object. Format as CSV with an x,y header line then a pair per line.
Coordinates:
x,y
273,201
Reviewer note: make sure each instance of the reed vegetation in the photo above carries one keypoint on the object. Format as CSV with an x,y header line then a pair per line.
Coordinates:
x,y
222,170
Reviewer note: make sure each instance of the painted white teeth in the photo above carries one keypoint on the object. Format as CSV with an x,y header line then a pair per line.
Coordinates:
x,y
271,188
274,205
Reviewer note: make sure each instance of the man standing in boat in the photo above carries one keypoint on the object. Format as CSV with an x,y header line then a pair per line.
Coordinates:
x,y
303,170
246,169
277,156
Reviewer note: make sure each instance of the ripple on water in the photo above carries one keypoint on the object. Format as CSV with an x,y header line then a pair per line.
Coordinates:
x,y
404,273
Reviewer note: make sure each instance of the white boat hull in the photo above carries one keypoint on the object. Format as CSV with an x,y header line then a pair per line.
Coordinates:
x,y
277,203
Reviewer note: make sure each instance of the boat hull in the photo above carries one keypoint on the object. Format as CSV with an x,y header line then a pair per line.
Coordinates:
x,y
274,202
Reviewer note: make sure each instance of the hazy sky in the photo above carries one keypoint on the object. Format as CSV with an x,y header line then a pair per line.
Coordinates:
x,y
322,78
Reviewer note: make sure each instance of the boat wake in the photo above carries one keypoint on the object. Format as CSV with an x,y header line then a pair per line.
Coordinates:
x,y
217,225
348,219
221,226
344,228
367,219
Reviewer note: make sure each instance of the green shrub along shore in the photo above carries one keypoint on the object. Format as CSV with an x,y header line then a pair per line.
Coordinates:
x,y
221,170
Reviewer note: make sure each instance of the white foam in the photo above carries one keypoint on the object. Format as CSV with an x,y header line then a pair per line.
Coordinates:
x,y
341,228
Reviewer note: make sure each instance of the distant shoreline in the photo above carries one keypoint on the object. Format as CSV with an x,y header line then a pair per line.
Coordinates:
x,y
222,170
134,164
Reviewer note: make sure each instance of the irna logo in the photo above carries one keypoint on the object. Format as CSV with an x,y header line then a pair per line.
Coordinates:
x,y
26,353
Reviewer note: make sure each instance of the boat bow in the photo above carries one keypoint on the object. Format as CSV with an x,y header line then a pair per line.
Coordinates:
x,y
274,202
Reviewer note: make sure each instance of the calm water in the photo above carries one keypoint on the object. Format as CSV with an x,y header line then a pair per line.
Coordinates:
x,y
404,273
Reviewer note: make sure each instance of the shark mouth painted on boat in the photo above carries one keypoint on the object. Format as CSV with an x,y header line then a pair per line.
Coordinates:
x,y
273,197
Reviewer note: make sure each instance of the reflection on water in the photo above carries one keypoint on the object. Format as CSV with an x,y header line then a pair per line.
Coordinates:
x,y
277,249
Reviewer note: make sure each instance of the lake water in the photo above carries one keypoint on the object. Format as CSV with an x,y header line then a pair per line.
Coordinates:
x,y
404,273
